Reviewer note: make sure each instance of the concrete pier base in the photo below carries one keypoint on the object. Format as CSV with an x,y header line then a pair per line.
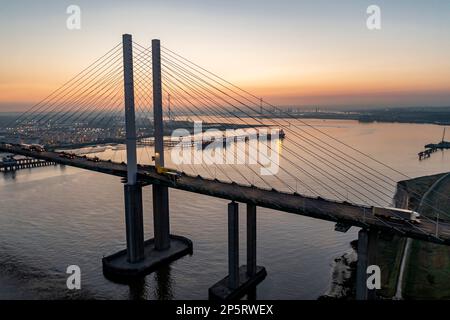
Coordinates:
x,y
240,280
116,267
222,291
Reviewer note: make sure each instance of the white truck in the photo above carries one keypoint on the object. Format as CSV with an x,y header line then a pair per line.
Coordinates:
x,y
397,214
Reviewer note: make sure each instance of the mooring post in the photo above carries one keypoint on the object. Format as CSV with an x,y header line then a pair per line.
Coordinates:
x,y
160,193
366,256
233,245
132,190
251,240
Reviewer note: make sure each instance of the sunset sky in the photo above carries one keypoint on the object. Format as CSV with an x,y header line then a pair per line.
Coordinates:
x,y
291,52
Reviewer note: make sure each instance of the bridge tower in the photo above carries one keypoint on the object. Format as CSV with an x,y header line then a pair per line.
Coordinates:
x,y
160,193
142,257
133,191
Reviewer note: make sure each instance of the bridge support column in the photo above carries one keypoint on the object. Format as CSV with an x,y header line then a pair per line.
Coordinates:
x,y
133,192
134,223
367,240
161,220
240,280
233,245
251,240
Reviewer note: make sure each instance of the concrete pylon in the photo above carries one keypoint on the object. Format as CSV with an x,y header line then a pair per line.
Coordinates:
x,y
251,240
233,245
367,240
132,191
161,219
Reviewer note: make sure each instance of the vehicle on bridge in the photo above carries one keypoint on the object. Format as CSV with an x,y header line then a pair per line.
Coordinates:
x,y
32,147
25,146
396,214
67,155
173,175
37,148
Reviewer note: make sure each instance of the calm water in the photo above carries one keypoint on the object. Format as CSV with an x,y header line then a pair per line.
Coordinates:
x,y
53,217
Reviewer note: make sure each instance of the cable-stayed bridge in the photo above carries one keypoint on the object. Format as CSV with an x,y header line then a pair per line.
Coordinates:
x,y
134,92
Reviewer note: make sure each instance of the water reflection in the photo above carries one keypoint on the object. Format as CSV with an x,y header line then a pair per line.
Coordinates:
x,y
51,217
138,289
164,284
9,175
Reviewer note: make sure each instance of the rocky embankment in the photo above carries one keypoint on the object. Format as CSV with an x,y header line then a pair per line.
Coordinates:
x,y
343,275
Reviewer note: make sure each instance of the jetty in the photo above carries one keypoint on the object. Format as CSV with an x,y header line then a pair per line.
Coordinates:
x,y
433,147
11,163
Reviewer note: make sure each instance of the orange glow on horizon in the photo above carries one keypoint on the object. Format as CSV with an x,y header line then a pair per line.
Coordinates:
x,y
299,84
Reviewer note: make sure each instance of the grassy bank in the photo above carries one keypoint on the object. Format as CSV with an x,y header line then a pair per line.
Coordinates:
x,y
427,273
418,281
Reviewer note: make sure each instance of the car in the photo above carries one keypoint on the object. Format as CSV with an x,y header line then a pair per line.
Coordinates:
x,y
26,147
37,148
67,155
173,175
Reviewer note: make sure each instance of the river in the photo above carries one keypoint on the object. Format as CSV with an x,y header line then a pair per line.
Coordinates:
x,y
53,217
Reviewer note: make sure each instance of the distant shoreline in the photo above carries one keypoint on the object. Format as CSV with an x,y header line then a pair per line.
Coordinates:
x,y
435,115
413,115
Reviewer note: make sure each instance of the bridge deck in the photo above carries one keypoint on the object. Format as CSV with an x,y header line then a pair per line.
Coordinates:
x,y
351,214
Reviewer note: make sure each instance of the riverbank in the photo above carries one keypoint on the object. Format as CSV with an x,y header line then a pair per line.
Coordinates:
x,y
426,270
427,273
343,276
417,115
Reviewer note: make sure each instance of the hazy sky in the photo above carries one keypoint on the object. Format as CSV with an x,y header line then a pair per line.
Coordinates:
x,y
288,51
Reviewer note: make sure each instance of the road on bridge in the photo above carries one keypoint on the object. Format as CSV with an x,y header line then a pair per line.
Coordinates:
x,y
342,212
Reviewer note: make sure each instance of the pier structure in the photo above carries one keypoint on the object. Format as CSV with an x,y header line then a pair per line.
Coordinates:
x,y
12,164
427,153
240,279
